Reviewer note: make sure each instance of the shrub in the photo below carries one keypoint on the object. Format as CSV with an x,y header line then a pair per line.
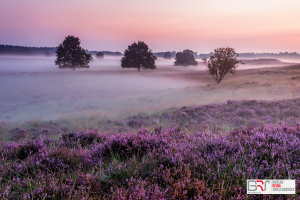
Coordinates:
x,y
185,58
245,113
100,55
126,145
85,138
222,62
18,133
21,151
167,55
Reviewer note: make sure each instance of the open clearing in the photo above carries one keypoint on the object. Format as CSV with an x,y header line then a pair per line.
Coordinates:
x,y
33,88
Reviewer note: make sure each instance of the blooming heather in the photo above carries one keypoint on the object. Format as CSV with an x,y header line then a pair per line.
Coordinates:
x,y
165,163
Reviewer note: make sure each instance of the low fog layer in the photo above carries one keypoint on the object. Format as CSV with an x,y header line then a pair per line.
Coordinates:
x,y
34,88
113,63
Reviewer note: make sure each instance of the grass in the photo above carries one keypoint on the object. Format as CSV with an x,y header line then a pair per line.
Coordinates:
x,y
206,149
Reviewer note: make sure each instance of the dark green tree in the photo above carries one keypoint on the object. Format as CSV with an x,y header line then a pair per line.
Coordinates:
x,y
99,55
223,61
138,55
69,54
167,55
185,58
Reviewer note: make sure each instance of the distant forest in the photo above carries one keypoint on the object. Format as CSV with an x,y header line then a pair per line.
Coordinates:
x,y
161,54
285,55
47,51
106,53
20,50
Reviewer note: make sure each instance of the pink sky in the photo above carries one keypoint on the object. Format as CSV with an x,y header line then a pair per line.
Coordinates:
x,y
165,25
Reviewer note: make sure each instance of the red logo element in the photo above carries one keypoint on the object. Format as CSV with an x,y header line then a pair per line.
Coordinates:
x,y
276,185
262,182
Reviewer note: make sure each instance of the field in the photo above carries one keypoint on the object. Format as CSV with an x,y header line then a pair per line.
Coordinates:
x,y
34,88
114,133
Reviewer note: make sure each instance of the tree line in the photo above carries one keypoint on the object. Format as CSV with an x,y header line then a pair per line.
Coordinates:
x,y
22,50
47,51
282,55
69,54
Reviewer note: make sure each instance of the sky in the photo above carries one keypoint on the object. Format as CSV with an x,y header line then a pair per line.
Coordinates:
x,y
164,25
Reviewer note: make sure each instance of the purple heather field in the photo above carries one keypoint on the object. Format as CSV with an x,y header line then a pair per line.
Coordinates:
x,y
168,133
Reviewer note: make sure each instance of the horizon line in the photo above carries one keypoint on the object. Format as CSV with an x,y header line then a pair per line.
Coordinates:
x,y
151,50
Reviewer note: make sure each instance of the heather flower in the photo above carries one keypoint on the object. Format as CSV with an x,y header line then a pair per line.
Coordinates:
x,y
159,163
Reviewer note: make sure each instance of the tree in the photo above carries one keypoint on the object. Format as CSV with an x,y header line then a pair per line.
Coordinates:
x,y
100,54
138,55
223,61
167,55
185,58
47,54
69,54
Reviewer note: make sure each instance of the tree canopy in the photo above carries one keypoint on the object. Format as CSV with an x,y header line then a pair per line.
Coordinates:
x,y
69,54
167,55
99,54
138,55
185,58
223,61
